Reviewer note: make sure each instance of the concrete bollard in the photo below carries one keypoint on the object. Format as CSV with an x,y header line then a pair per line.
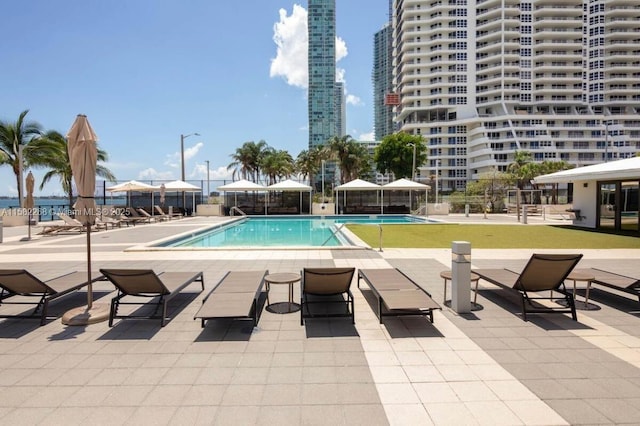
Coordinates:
x,y
466,210
524,215
461,276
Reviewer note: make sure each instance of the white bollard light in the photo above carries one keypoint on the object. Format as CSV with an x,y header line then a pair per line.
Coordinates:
x,y
461,276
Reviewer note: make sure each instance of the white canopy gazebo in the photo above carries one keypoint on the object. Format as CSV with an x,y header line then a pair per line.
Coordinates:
x,y
405,185
356,185
242,185
182,186
133,186
290,185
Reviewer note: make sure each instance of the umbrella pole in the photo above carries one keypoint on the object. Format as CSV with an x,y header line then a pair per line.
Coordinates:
x,y
89,287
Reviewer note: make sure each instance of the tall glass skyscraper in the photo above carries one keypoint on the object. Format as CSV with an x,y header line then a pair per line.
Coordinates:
x,y
322,71
382,77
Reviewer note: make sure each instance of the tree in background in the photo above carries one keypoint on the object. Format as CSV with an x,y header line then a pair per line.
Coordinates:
x,y
352,157
60,165
246,160
547,167
309,162
37,150
276,164
395,154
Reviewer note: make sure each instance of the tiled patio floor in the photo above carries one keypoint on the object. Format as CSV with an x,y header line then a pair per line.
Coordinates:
x,y
487,367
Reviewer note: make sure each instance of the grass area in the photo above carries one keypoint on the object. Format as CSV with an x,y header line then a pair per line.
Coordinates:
x,y
491,236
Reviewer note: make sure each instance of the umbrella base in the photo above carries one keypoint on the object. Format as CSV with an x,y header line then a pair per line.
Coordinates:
x,y
84,316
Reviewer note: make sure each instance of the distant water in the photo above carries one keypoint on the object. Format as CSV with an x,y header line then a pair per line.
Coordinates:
x,y
47,208
13,202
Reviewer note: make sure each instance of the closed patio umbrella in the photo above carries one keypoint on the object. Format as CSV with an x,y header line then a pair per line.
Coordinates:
x,y
81,144
28,203
163,190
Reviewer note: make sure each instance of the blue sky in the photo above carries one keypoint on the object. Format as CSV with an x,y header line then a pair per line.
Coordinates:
x,y
146,71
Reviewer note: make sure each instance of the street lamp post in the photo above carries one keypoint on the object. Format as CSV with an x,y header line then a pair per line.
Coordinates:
x,y
182,138
413,168
208,191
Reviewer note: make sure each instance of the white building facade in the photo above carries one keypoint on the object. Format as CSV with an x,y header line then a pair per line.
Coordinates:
x,y
482,79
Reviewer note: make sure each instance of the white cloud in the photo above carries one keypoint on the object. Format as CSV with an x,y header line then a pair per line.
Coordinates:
x,y
291,38
175,160
341,49
189,153
291,63
367,136
354,100
153,174
219,173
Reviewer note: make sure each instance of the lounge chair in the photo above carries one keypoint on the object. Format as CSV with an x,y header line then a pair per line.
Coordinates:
x,y
57,228
397,294
144,213
171,213
19,282
235,296
329,287
69,225
146,283
612,280
160,214
105,222
136,217
542,273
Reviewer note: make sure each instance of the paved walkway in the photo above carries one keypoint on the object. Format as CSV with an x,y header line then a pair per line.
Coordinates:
x,y
487,367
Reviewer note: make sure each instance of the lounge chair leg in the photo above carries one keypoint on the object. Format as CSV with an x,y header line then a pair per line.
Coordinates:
x,y
572,303
353,312
380,309
113,310
524,308
164,314
43,318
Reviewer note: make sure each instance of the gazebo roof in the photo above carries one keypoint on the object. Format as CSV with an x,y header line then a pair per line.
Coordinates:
x,y
288,185
242,185
357,185
405,184
179,185
628,168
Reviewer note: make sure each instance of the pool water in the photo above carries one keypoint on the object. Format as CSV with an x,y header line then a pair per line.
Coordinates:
x,y
309,231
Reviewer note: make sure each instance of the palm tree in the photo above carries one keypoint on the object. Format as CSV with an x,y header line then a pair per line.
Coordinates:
x,y
351,156
25,136
547,167
277,164
60,165
246,160
309,163
339,148
521,168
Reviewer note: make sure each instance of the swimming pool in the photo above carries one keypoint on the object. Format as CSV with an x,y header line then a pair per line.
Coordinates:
x,y
308,231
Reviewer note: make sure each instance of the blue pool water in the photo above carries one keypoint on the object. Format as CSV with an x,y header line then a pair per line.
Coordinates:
x,y
309,231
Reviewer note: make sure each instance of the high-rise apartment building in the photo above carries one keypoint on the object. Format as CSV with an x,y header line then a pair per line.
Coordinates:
x,y
340,109
382,76
321,20
482,79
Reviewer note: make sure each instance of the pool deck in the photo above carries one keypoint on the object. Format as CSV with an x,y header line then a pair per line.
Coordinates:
x,y
488,367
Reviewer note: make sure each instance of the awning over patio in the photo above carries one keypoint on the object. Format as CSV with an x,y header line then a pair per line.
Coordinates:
x,y
613,170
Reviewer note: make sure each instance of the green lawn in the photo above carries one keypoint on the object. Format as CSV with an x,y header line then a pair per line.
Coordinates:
x,y
491,236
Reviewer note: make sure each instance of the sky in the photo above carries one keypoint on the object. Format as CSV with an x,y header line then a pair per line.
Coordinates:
x,y
147,71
